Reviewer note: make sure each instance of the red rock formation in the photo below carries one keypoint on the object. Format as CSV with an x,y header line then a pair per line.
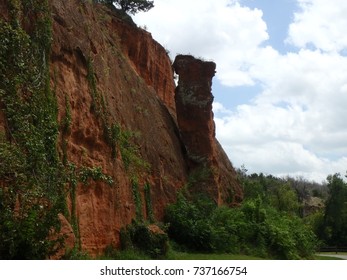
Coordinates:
x,y
83,32
195,120
140,47
132,75
194,106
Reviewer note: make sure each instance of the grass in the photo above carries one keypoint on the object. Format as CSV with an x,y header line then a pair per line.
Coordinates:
x,y
130,254
133,254
176,255
173,255
112,253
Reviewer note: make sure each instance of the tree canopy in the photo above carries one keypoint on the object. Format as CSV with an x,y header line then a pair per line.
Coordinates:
x,y
335,226
131,6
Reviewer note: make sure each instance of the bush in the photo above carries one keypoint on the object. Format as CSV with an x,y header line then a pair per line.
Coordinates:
x,y
149,239
253,228
189,224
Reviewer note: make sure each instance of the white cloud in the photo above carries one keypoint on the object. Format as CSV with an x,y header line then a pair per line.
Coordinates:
x,y
321,23
296,124
223,31
279,141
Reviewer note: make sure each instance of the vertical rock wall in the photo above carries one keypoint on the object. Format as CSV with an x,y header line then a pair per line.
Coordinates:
x,y
195,121
106,72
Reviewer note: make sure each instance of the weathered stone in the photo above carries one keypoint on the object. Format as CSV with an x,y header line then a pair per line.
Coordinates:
x,y
197,128
134,76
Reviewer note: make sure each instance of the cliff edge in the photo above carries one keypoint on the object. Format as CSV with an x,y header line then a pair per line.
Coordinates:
x,y
123,127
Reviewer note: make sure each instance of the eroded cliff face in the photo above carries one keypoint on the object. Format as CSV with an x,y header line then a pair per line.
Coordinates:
x,y
117,113
131,75
195,121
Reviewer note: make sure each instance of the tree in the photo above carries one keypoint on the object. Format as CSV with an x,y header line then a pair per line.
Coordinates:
x,y
335,226
132,6
284,198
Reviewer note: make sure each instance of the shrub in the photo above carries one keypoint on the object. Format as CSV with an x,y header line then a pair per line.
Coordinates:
x,y
189,224
148,239
254,228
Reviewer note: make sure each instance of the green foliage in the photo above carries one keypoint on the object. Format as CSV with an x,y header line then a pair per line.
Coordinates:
x,y
198,175
98,105
138,236
31,190
189,224
94,173
112,253
148,200
315,221
32,179
275,192
208,257
66,123
73,176
75,254
285,199
334,228
131,6
254,228
130,152
118,138
137,198
289,238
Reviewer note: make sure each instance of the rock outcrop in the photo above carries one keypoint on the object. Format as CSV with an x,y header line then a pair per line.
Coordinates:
x,y
111,79
194,106
197,128
128,66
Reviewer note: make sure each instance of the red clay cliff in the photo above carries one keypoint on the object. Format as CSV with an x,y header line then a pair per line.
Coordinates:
x,y
95,51
195,121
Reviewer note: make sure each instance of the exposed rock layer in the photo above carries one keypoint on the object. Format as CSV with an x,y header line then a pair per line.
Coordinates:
x,y
195,120
194,106
136,100
134,77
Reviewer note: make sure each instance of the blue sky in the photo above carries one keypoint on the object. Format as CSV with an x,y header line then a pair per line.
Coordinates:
x,y
281,83
278,14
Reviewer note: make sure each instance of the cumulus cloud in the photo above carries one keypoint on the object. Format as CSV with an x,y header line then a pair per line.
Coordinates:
x,y
277,141
296,124
222,31
320,23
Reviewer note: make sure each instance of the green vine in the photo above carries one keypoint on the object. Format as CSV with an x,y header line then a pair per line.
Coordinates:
x,y
130,153
32,183
148,199
137,198
73,181
66,122
115,136
82,175
97,104
94,173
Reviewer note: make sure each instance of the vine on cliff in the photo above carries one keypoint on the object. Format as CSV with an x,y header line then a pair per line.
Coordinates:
x,y
33,180
31,193
119,139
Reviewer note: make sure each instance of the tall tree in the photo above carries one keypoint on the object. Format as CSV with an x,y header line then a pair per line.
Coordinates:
x,y
335,218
